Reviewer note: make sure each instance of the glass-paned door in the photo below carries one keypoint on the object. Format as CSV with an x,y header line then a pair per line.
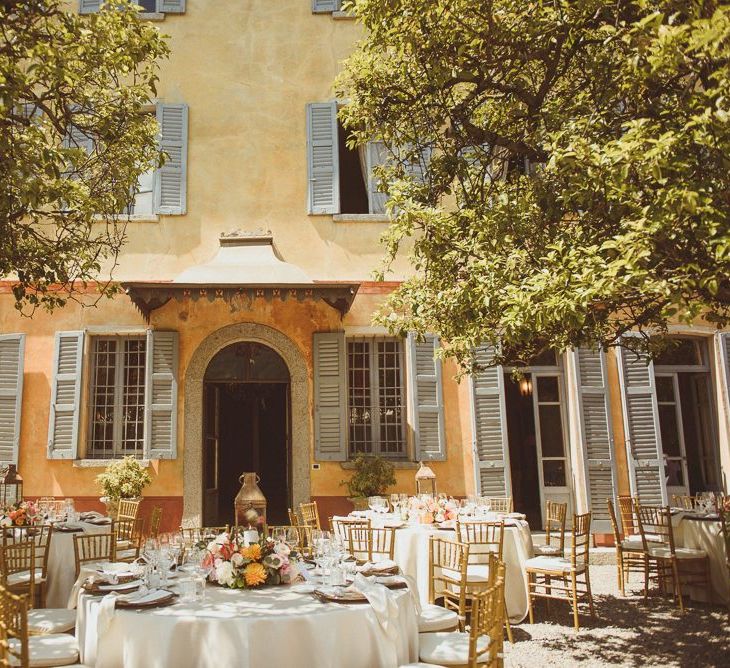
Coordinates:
x,y
672,434
550,436
211,452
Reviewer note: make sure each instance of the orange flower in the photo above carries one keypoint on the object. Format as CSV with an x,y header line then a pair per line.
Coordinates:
x,y
254,574
252,552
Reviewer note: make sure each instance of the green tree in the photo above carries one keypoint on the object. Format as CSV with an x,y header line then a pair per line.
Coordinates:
x,y
577,186
73,141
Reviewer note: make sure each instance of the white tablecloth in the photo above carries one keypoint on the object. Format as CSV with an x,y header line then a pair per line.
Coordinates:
x,y
705,535
62,565
272,626
411,554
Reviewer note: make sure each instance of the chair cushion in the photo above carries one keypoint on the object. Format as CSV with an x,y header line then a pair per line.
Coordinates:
x,y
474,573
58,649
552,564
448,649
548,550
23,578
51,620
123,555
437,618
636,538
630,545
680,552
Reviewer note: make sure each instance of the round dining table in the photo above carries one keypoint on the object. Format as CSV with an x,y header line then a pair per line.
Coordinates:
x,y
411,555
270,626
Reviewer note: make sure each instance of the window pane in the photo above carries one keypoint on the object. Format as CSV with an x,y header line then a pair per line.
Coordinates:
x,y
133,396
673,472
664,388
147,5
102,398
390,398
359,399
553,473
670,429
547,389
681,351
551,431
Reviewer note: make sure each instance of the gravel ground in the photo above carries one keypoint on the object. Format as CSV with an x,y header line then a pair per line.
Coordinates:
x,y
626,631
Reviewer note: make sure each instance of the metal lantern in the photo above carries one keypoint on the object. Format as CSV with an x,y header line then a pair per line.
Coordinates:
x,y
425,480
250,503
11,486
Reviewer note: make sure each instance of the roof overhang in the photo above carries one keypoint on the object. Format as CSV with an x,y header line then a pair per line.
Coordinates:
x,y
245,268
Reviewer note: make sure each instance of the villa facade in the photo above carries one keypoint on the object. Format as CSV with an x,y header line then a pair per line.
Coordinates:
x,y
242,338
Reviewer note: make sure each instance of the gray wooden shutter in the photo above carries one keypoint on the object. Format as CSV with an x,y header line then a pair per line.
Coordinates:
x,y
330,396
723,340
325,6
160,433
427,407
376,154
322,158
12,349
489,423
641,421
171,183
596,433
89,6
171,6
63,422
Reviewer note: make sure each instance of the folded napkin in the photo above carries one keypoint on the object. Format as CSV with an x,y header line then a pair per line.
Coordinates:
x,y
101,573
69,526
377,566
90,515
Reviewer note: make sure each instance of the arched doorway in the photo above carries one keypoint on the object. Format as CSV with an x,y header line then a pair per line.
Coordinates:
x,y
246,427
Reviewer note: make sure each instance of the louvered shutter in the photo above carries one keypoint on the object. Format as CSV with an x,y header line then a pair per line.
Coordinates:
x,y
324,6
322,159
171,185
330,396
724,346
12,348
427,408
63,423
171,6
160,433
489,423
596,433
641,420
376,154
89,6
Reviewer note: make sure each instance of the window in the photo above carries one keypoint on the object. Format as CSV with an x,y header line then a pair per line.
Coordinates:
x,y
376,401
682,352
117,396
147,6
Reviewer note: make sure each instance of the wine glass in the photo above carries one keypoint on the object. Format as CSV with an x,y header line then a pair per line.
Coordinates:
x,y
278,534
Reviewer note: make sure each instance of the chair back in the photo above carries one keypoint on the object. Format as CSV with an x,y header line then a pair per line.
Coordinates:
x,y
40,534
293,519
341,526
500,504
13,626
629,525
447,572
554,524
614,523
370,544
655,527
201,534
94,547
580,549
155,521
482,537
487,619
310,514
19,558
684,501
128,509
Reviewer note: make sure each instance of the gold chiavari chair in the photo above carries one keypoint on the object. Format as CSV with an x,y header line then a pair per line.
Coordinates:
x,y
309,514
129,539
341,526
484,539
663,557
684,501
304,535
628,520
155,521
18,648
500,504
447,567
92,548
41,535
18,568
629,553
128,509
554,526
548,575
483,644
293,519
370,544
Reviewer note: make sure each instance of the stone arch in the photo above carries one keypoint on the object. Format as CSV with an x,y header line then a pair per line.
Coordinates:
x,y
193,411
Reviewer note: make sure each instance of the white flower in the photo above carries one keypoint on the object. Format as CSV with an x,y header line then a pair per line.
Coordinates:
x,y
282,549
6,522
224,573
237,560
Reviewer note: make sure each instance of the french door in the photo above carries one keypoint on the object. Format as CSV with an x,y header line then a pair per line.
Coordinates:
x,y
211,452
672,434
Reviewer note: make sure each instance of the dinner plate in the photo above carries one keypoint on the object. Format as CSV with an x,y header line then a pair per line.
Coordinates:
x,y
339,595
152,599
122,586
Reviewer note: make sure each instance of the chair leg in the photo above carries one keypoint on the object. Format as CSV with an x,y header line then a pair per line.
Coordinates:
x,y
620,571
677,585
548,591
646,578
590,594
574,588
507,624
530,581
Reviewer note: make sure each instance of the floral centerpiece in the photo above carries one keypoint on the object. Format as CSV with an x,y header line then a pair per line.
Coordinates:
x,y
122,479
429,510
235,563
18,514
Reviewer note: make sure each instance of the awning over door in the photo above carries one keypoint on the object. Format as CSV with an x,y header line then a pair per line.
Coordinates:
x,y
245,268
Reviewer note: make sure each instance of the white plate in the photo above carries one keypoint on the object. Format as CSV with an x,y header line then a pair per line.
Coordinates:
x,y
303,588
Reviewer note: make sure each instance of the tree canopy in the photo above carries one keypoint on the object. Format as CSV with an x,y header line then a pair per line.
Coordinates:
x,y
577,178
73,141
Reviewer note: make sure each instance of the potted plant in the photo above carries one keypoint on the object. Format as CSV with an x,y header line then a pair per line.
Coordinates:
x,y
122,479
372,476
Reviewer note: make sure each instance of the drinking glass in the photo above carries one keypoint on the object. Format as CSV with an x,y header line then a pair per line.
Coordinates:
x,y
291,538
395,502
151,551
278,535
373,502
